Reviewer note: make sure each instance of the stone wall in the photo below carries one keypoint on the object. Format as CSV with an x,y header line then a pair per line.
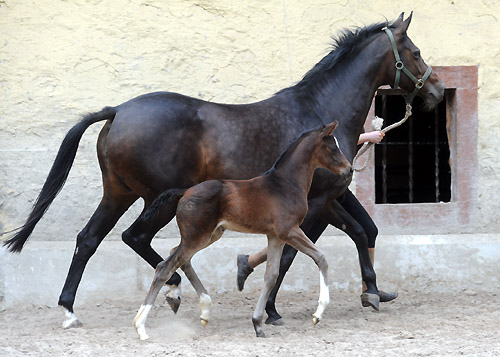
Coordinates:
x,y
61,59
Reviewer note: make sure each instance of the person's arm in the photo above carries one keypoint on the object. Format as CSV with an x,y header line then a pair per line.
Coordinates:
x,y
372,137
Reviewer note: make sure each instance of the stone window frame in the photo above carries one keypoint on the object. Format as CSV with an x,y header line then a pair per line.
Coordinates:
x,y
456,216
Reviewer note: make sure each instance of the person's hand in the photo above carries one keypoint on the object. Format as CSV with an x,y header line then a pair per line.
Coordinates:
x,y
374,136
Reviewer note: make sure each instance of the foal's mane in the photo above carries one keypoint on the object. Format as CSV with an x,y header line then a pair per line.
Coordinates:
x,y
347,43
291,148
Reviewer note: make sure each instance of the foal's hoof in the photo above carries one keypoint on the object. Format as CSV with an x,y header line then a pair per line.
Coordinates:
x,y
244,270
174,303
372,300
204,322
386,297
315,320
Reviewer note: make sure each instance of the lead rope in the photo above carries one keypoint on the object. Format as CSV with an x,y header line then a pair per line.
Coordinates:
x,y
377,124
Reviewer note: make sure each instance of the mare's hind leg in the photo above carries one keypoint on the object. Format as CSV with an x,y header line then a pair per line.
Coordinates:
x,y
297,239
274,250
102,221
139,236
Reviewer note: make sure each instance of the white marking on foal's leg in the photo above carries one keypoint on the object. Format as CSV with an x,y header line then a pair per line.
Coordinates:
x,y
324,299
205,305
174,291
140,321
71,320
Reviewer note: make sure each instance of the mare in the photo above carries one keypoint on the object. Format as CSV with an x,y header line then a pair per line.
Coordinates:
x,y
274,204
164,140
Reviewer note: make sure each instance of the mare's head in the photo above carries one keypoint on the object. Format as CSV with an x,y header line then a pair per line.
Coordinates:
x,y
328,155
414,75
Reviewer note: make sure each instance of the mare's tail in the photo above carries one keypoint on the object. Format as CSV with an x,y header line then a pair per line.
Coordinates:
x,y
57,177
168,196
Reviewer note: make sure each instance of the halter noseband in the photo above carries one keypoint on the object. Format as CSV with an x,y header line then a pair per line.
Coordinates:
x,y
419,83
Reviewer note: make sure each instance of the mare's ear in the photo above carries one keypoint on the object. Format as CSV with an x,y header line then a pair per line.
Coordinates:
x,y
399,20
328,130
406,23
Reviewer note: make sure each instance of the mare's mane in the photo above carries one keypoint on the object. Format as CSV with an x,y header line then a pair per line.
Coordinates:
x,y
347,43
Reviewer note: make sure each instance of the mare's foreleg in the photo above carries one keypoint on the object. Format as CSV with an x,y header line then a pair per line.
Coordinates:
x,y
139,236
274,250
339,217
299,241
102,221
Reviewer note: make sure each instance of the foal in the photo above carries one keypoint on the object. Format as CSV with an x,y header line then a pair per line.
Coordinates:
x,y
274,204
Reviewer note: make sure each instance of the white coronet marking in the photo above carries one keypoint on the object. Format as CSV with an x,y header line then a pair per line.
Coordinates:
x,y
174,291
140,321
71,319
324,298
205,306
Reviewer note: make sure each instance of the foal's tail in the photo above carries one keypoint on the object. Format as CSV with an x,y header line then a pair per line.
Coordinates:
x,y
57,177
168,196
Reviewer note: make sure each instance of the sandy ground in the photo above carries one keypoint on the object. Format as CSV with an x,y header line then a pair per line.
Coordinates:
x,y
464,323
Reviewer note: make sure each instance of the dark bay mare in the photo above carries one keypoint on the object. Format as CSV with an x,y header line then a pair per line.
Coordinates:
x,y
163,140
274,204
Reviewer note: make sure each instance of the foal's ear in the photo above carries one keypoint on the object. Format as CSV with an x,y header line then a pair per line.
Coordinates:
x,y
328,130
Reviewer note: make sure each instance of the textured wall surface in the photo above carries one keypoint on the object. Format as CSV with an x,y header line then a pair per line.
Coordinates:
x,y
61,59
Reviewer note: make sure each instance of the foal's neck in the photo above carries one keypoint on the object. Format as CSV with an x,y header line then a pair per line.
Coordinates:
x,y
297,165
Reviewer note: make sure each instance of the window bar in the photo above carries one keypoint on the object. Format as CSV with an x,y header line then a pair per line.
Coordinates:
x,y
410,160
436,152
384,153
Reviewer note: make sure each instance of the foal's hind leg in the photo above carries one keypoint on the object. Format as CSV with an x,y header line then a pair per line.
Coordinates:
x,y
205,300
274,250
103,220
139,236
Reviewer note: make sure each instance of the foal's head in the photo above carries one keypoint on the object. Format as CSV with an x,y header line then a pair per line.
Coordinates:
x,y
328,155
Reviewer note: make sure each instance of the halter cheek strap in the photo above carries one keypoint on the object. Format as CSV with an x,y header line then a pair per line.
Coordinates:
x,y
419,83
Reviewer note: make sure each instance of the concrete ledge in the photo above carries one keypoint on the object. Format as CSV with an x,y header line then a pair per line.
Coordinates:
x,y
434,263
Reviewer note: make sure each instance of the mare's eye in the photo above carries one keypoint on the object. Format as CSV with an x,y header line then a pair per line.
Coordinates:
x,y
416,54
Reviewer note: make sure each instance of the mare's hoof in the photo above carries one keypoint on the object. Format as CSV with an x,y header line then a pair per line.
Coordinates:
x,y
274,320
372,300
386,297
260,334
204,322
315,320
174,303
73,323
244,270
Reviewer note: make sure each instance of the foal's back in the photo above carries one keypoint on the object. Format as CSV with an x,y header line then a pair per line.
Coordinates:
x,y
259,205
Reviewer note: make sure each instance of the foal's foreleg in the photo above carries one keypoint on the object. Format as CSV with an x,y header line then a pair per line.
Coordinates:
x,y
297,239
274,250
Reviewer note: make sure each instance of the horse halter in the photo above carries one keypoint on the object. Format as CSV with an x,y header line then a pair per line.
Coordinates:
x,y
419,83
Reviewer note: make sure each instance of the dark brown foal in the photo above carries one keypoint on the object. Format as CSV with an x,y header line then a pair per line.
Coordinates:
x,y
273,204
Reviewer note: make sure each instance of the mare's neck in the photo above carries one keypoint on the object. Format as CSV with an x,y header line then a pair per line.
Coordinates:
x,y
347,92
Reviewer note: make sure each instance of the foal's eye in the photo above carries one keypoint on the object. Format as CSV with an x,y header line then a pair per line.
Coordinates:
x,y
416,54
